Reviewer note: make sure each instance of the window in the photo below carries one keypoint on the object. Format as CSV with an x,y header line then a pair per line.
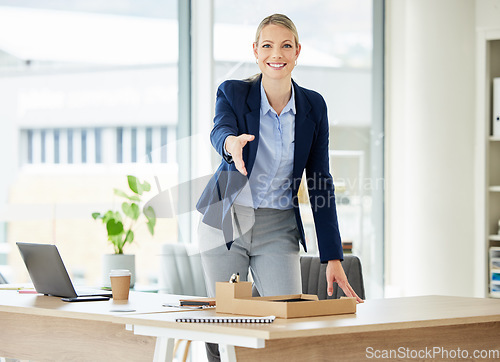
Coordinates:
x,y
89,95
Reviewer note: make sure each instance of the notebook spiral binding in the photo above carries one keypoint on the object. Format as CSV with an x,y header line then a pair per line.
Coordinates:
x,y
268,319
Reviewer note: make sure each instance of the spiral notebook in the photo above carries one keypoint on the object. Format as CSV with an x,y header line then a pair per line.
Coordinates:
x,y
238,319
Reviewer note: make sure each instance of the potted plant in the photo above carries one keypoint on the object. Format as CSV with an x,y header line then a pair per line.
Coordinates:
x,y
120,226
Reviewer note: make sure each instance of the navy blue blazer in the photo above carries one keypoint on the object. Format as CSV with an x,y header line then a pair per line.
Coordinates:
x,y
237,111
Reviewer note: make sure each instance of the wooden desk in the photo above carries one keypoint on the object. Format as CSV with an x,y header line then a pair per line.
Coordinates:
x,y
408,326
44,328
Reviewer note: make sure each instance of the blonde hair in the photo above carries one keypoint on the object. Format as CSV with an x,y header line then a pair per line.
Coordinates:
x,y
281,20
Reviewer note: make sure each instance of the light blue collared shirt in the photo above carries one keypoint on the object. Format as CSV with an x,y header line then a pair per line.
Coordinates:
x,y
270,181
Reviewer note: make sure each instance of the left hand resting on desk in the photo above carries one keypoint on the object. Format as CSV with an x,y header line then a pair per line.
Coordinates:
x,y
335,273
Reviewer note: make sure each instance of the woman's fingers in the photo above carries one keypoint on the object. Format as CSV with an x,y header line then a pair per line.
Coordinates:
x,y
235,146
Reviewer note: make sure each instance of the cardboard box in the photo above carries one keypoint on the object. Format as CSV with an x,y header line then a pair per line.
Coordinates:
x,y
236,298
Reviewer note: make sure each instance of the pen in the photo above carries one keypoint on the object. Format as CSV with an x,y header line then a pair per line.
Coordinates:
x,y
10,288
235,278
183,306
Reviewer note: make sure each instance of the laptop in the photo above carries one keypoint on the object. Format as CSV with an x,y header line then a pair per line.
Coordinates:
x,y
49,275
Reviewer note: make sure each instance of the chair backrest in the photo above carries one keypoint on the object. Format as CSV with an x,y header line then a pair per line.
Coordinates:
x,y
314,277
181,271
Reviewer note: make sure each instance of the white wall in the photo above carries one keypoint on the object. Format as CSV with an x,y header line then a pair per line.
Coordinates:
x,y
488,13
430,52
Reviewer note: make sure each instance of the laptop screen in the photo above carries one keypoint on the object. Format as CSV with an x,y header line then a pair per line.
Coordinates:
x,y
47,270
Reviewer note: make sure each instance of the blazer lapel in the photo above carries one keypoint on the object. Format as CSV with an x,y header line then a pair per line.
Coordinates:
x,y
304,131
252,120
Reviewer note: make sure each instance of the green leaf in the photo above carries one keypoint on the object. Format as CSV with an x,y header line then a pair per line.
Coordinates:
x,y
123,194
120,193
146,186
131,210
134,184
117,216
129,238
114,227
151,227
96,215
150,214
109,215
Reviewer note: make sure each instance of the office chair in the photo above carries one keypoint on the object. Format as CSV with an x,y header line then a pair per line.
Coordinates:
x,y
182,273
181,270
314,277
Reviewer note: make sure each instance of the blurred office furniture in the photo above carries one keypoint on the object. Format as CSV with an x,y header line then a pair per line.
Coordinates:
x,y
3,359
488,175
314,277
2,279
181,271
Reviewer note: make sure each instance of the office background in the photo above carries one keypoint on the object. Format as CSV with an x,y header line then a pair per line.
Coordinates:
x,y
92,92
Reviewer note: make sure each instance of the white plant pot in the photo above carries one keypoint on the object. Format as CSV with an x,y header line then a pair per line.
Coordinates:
x,y
117,261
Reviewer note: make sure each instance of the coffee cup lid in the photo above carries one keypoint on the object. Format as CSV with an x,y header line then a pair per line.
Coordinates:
x,y
119,273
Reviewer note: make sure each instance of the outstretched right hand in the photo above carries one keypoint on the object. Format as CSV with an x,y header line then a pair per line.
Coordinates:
x,y
234,145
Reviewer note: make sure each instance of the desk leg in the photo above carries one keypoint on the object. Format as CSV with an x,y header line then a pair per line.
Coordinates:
x,y
164,349
227,353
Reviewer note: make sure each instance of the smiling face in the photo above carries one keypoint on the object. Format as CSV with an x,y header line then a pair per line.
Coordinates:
x,y
276,52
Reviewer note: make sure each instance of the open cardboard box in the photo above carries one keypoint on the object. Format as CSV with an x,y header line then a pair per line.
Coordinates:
x,y
236,298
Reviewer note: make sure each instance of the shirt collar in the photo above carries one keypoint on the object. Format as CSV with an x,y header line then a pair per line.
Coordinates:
x,y
266,107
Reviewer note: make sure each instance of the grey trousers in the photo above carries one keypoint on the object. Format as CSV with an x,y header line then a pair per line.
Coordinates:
x,y
266,243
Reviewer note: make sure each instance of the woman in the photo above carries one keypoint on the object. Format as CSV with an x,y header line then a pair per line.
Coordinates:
x,y
268,130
